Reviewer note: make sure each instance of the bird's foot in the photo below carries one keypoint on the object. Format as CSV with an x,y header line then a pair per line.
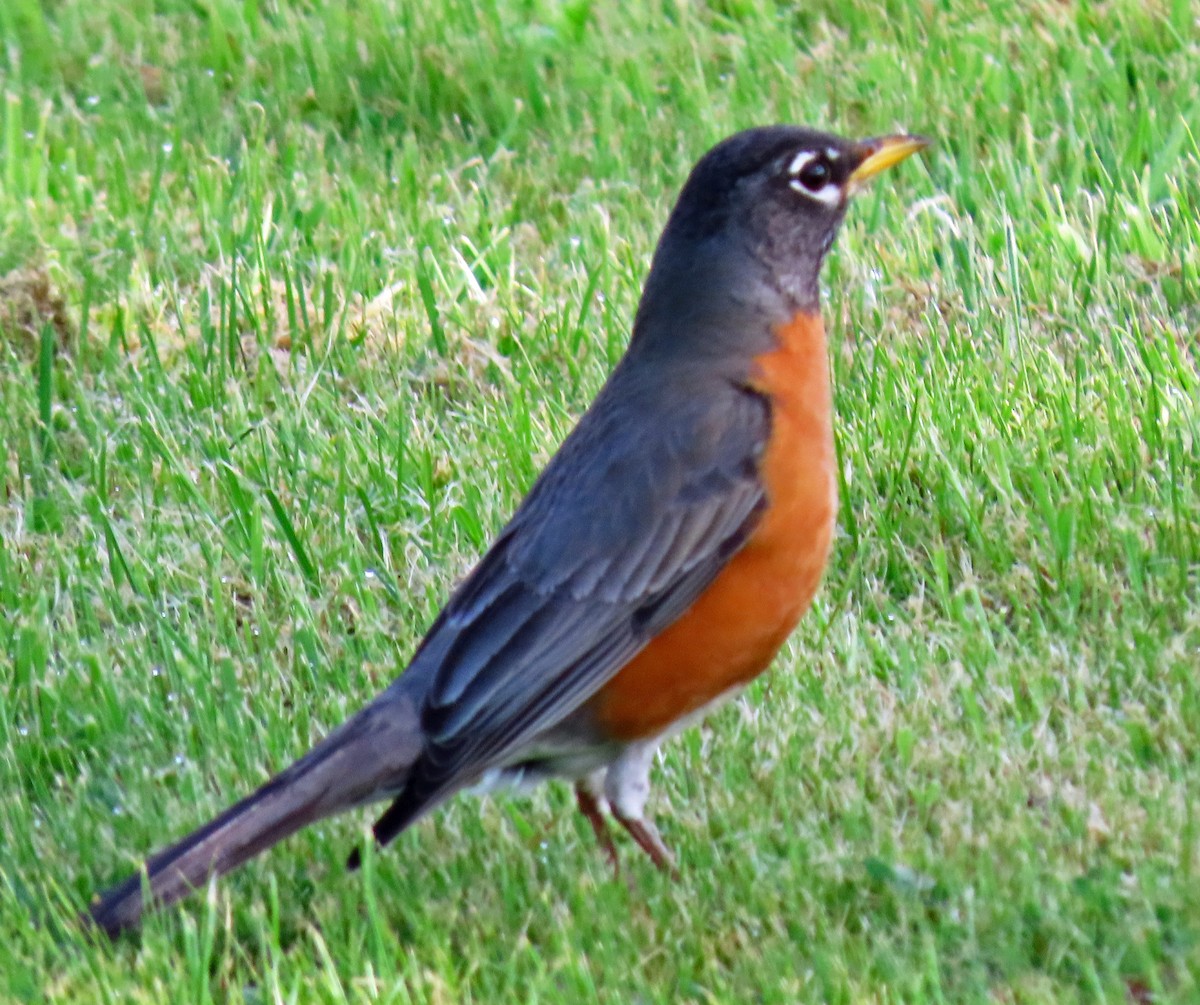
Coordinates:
x,y
592,809
646,835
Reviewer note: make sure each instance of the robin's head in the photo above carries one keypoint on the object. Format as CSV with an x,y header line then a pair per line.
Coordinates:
x,y
760,210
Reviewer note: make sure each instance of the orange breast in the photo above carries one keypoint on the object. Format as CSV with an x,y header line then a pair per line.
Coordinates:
x,y
735,628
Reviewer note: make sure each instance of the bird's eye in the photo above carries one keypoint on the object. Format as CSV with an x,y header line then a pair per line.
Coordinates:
x,y
811,174
815,175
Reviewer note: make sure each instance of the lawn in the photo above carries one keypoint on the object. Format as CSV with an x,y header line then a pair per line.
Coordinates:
x,y
295,301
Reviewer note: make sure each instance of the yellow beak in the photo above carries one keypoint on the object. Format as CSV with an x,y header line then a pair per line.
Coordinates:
x,y
880,153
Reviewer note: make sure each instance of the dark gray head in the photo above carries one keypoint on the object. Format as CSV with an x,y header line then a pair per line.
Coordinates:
x,y
753,223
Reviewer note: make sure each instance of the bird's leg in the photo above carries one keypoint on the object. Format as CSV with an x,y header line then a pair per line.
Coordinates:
x,y
590,805
646,835
627,788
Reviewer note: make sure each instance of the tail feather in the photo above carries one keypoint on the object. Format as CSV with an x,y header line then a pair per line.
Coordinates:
x,y
368,758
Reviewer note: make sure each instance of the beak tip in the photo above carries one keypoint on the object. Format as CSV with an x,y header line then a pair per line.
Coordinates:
x,y
909,143
882,152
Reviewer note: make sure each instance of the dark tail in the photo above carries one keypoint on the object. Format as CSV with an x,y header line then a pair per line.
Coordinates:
x,y
368,758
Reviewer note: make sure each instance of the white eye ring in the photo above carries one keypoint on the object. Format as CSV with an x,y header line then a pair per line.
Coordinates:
x,y
830,194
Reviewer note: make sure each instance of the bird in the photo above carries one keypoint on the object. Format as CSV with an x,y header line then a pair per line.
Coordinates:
x,y
657,564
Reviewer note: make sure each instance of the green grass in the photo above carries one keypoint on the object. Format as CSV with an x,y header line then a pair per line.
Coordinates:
x,y
295,299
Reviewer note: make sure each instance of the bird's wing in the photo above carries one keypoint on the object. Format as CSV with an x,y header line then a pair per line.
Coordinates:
x,y
618,537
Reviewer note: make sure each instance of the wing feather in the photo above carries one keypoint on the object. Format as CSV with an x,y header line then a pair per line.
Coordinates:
x,y
616,540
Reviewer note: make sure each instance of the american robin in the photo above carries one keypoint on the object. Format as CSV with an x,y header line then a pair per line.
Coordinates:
x,y
657,564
